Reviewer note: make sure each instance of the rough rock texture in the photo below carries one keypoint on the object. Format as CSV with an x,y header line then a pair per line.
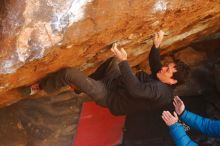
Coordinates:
x,y
49,121
42,36
190,56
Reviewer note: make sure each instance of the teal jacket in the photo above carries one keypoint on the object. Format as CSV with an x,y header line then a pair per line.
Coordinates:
x,y
204,125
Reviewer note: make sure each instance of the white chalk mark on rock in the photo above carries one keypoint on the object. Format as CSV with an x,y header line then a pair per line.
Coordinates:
x,y
160,5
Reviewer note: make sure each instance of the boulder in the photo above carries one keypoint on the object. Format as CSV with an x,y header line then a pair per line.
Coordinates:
x,y
190,56
41,36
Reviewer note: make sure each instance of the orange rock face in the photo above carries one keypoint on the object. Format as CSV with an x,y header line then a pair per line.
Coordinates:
x,y
42,36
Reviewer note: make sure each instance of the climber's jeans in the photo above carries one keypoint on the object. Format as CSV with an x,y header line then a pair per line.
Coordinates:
x,y
92,85
72,76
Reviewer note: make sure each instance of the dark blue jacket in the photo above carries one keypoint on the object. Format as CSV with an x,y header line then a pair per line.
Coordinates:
x,y
204,125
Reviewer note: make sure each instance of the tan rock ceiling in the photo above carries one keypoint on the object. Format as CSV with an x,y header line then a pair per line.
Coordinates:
x,y
42,36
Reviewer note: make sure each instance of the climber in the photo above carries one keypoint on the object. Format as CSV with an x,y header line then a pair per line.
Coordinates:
x,y
206,126
114,85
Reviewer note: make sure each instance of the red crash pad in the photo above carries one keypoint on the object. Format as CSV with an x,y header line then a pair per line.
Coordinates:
x,y
98,127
